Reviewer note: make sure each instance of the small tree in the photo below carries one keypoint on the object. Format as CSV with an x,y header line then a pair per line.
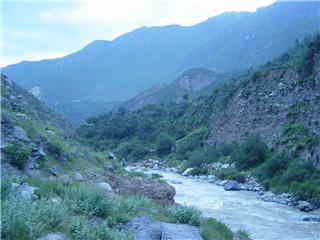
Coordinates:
x,y
164,143
18,154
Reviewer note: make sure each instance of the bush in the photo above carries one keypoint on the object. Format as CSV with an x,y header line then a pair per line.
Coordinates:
x,y
213,229
82,229
22,219
18,154
184,214
88,200
164,144
251,153
230,174
200,157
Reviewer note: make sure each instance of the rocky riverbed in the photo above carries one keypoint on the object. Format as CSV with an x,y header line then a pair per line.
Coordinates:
x,y
264,220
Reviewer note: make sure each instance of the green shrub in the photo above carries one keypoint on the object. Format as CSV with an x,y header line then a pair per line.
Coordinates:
x,y
82,229
251,153
212,229
18,154
87,199
23,219
198,171
184,214
201,156
164,144
230,174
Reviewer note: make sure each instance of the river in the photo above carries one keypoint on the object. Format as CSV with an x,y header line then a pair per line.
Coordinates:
x,y
244,210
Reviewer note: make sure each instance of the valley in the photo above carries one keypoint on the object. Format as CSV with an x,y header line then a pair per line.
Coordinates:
x,y
209,131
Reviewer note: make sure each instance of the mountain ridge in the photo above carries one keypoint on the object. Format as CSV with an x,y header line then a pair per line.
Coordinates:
x,y
148,56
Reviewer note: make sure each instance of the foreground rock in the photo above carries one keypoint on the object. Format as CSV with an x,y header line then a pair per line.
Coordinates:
x,y
24,191
53,236
147,187
148,229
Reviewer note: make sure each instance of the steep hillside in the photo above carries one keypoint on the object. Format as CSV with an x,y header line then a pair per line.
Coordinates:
x,y
119,69
35,140
266,123
189,85
281,103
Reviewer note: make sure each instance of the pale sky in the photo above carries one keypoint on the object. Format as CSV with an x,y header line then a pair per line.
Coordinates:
x,y
34,30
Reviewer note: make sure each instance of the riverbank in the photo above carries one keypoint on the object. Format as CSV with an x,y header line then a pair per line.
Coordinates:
x,y
247,183
242,209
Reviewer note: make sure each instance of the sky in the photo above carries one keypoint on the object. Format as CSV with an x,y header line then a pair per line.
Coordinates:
x,y
34,30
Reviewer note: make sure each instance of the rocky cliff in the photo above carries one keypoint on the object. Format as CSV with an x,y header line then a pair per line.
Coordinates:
x,y
189,85
281,103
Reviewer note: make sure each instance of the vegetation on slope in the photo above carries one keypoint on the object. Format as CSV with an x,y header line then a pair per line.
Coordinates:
x,y
179,131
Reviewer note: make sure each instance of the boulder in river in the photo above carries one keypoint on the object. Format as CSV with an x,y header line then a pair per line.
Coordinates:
x,y
311,219
305,206
232,185
187,172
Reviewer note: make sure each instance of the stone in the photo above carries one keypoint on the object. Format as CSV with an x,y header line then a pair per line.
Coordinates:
x,y
222,182
175,182
54,170
108,167
311,219
53,236
78,177
149,229
144,228
187,172
151,188
106,187
171,231
232,185
268,197
24,191
20,134
305,206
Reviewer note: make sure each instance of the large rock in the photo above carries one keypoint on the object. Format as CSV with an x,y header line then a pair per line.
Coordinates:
x,y
24,191
106,187
232,185
187,172
172,231
144,228
78,177
153,189
148,229
53,236
305,206
312,219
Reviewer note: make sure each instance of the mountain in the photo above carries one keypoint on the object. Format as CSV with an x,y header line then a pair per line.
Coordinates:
x,y
119,69
189,85
78,111
265,123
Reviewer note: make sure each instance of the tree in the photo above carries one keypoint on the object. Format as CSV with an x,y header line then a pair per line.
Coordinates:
x,y
164,143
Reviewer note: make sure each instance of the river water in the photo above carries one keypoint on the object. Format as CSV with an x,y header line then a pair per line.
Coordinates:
x,y
244,210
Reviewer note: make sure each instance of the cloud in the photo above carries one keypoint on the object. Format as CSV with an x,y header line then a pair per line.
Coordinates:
x,y
118,17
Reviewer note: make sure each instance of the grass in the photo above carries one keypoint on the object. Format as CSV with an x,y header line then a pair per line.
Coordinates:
x,y
212,229
23,219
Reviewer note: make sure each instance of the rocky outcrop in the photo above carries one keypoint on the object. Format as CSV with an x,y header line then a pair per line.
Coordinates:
x,y
148,229
189,84
266,104
153,189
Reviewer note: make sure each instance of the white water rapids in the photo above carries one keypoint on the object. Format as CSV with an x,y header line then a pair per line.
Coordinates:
x,y
244,210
